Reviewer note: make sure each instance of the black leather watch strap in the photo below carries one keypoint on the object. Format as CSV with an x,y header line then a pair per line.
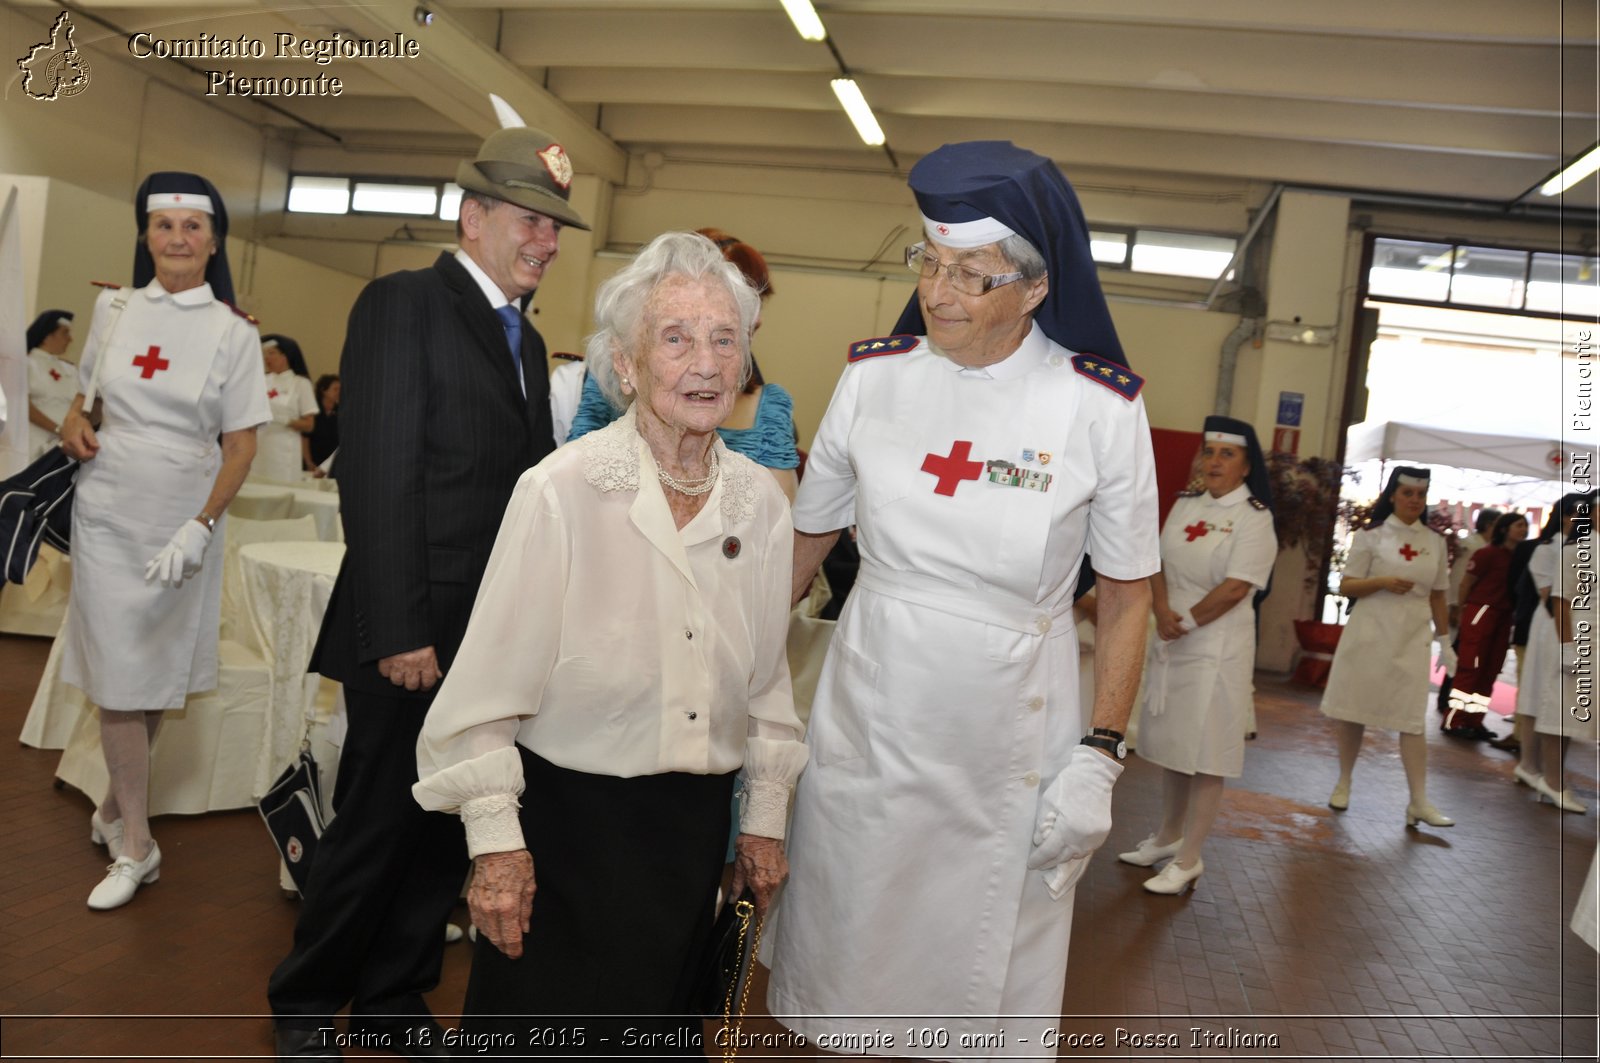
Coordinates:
x,y
1115,746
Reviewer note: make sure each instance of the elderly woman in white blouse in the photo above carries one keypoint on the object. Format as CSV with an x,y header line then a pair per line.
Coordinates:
x,y
625,658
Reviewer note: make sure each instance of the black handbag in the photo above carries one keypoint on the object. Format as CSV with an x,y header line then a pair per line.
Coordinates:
x,y
292,810
724,983
36,508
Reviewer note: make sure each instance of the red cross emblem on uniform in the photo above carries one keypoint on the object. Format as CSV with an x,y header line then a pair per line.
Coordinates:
x,y
150,363
272,394
1196,530
54,375
952,468
1406,552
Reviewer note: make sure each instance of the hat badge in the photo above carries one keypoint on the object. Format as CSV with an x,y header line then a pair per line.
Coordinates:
x,y
560,166
944,230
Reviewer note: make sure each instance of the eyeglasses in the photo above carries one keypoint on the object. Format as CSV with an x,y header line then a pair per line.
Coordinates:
x,y
963,279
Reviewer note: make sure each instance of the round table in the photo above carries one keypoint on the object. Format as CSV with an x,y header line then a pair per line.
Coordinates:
x,y
286,590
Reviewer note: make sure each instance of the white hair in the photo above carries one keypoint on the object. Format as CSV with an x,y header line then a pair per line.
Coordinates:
x,y
619,303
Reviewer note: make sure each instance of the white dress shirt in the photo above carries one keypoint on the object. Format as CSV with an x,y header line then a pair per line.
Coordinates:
x,y
607,640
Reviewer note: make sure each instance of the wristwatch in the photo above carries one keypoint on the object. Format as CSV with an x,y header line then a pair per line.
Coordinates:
x,y
1104,738
208,520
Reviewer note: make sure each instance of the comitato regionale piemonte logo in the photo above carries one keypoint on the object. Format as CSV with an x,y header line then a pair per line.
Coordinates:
x,y
55,68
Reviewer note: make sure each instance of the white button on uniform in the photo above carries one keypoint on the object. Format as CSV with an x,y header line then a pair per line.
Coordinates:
x,y
1031,779
1043,624
1036,703
1056,360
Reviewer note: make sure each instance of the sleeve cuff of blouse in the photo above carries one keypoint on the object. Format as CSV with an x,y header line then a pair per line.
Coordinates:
x,y
492,825
765,810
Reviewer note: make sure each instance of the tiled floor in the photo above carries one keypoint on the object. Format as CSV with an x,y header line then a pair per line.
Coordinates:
x,y
1311,935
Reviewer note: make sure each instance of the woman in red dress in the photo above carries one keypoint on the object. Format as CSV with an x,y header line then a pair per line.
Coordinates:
x,y
1486,614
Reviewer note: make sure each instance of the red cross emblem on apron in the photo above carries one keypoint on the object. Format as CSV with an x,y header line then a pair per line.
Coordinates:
x,y
150,363
1196,530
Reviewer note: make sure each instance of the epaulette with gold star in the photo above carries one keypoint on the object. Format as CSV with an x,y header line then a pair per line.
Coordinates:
x,y
567,356
1118,378
1256,503
105,284
862,349
242,313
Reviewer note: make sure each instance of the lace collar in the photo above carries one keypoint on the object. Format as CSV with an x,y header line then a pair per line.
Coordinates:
x,y
613,455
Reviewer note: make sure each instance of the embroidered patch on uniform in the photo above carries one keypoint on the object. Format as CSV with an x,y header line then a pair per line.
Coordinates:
x,y
1028,454
1009,475
882,345
1118,378
1197,530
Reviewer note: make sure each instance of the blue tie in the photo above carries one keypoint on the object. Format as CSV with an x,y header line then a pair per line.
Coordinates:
x,y
511,318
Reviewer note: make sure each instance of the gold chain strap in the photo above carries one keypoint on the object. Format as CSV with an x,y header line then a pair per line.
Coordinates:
x,y
745,911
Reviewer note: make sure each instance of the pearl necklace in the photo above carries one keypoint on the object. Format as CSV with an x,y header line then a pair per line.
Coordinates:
x,y
692,487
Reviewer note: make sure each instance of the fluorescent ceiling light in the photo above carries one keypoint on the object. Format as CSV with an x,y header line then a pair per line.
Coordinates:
x,y
806,21
1581,167
855,105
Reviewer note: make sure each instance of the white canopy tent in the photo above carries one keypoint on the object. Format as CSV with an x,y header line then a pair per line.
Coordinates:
x,y
1534,457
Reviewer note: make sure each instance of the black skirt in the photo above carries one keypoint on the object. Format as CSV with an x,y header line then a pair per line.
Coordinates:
x,y
627,872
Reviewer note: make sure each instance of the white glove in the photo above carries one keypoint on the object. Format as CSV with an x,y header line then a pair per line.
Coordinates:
x,y
1074,817
1569,656
1447,656
1186,621
182,555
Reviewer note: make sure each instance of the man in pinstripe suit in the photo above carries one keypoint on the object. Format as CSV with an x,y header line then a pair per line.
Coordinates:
x,y
446,403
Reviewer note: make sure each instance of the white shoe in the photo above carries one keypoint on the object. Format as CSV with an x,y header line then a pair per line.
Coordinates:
x,y
106,834
1562,799
1173,880
1427,814
123,879
1339,800
452,934
1148,852
1525,777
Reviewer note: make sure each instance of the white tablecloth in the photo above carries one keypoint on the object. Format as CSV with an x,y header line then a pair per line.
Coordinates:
x,y
258,500
286,591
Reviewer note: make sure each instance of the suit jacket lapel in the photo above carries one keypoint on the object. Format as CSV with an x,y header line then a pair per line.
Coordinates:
x,y
484,326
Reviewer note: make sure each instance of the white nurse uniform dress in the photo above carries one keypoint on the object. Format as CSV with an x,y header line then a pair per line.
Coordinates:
x,y
1380,670
1198,688
180,369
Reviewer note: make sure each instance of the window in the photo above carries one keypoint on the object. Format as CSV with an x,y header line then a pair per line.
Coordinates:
x,y
1484,278
1109,248
379,198
319,194
1182,254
